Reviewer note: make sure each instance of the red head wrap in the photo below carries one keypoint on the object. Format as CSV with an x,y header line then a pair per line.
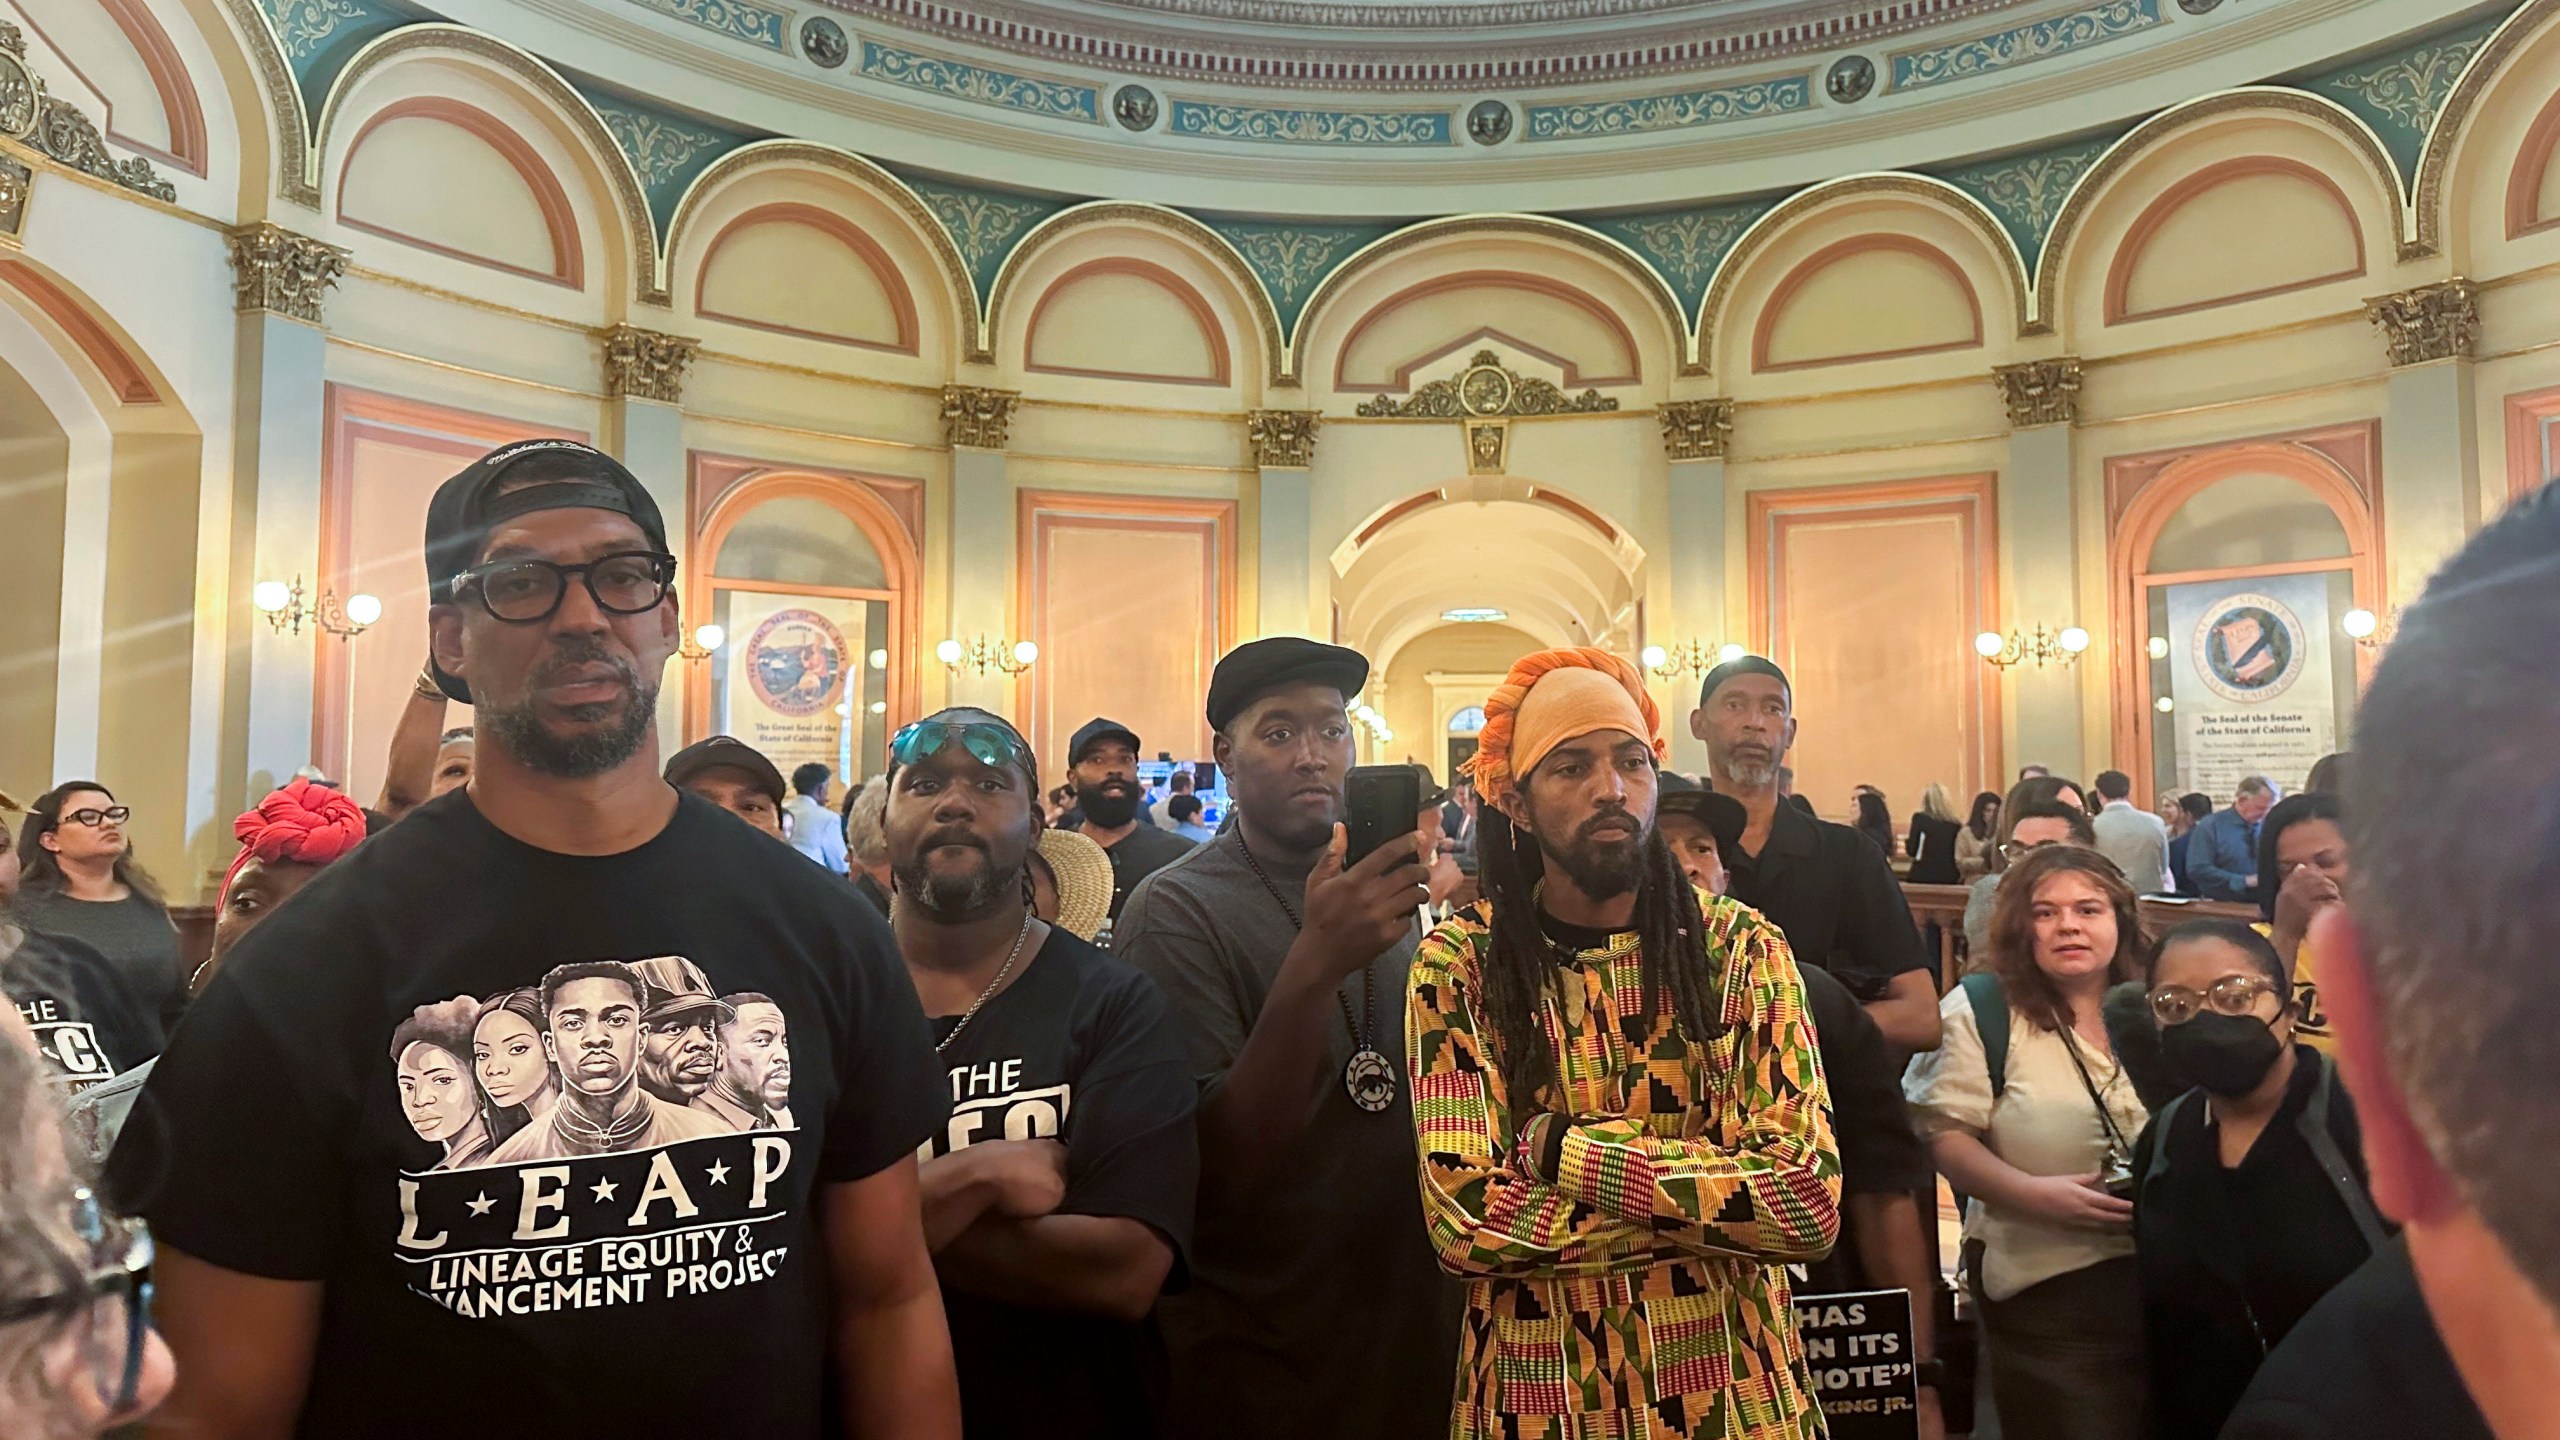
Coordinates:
x,y
303,824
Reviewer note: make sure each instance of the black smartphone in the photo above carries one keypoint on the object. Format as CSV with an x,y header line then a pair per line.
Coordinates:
x,y
1379,802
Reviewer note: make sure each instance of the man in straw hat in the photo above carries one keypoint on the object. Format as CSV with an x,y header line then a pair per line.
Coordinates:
x,y
1613,1080
1058,1198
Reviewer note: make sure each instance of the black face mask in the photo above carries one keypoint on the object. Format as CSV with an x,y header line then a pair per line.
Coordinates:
x,y
2226,1054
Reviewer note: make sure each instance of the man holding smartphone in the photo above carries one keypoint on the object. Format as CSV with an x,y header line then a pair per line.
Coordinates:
x,y
1313,1308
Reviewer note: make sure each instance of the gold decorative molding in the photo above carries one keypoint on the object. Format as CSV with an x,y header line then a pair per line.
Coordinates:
x,y
2040,392
58,131
1488,446
645,364
2432,322
1696,429
1486,387
1266,319
274,270
977,417
284,100
1283,439
2487,64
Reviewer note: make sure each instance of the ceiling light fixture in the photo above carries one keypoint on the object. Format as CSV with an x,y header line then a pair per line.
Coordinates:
x,y
1475,615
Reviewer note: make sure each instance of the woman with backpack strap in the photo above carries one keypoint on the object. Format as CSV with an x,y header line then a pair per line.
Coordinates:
x,y
2044,1145
2250,1197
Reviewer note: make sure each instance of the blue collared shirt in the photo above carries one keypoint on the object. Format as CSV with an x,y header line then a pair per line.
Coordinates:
x,y
2222,857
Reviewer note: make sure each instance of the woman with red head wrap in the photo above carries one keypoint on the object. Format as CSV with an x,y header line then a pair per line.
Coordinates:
x,y
283,843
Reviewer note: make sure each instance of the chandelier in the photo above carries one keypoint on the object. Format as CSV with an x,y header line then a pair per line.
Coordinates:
x,y
984,656
2040,646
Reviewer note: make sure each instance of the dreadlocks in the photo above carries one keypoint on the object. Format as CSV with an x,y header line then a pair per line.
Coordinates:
x,y
1520,959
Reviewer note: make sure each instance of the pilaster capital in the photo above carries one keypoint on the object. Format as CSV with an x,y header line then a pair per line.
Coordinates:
x,y
1696,429
2432,322
1284,439
275,270
977,417
2040,392
646,364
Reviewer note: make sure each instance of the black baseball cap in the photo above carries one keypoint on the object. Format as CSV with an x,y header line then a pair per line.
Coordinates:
x,y
551,475
1094,731
729,751
1258,667
1744,665
1723,816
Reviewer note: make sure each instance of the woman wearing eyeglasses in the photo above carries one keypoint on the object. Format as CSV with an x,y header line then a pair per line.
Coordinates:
x,y
78,1355
2250,1196
80,882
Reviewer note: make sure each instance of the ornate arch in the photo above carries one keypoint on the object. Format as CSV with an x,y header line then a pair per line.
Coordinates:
x,y
1387,247
865,176
2318,112
437,37
1919,189
1213,247
2487,67
292,120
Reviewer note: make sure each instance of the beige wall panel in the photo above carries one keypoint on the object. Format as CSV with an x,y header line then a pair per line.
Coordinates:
x,y
409,178
1867,304
1461,649
84,58
1123,632
1896,416
150,641
1878,642
1090,435
791,276
1564,328
393,482
1123,324
2249,519
35,457
517,346
902,248
2220,245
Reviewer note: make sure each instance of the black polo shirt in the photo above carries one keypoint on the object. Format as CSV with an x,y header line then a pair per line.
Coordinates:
x,y
1830,889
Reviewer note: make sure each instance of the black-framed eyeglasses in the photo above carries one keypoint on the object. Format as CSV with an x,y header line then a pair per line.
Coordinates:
x,y
993,745
2230,995
112,1302
112,815
522,591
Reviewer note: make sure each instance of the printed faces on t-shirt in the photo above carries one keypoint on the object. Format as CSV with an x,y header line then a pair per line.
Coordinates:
x,y
991,1100
614,1133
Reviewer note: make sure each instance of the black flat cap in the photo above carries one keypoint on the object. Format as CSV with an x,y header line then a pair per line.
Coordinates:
x,y
728,751
1723,816
552,475
1096,730
1258,667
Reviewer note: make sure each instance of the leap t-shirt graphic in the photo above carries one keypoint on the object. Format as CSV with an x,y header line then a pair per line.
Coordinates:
x,y
533,1119
600,1062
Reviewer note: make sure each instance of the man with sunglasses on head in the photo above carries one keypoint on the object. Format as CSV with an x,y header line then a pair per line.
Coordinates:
x,y
1058,1198
1313,1307
313,1246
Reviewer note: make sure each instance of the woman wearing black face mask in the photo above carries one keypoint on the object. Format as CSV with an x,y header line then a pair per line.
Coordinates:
x,y
2251,1199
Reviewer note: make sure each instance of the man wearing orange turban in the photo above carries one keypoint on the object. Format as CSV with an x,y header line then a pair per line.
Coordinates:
x,y
1614,1079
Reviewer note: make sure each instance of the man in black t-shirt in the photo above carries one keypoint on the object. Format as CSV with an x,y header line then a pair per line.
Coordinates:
x,y
1058,1198
1102,760
1828,889
489,966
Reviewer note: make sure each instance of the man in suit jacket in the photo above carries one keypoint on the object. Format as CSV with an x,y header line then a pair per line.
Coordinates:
x,y
2222,855
2137,840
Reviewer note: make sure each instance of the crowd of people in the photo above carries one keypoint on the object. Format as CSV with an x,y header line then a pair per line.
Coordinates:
x,y
1001,1110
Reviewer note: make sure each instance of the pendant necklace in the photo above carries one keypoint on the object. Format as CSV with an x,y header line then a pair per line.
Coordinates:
x,y
1368,1077
989,993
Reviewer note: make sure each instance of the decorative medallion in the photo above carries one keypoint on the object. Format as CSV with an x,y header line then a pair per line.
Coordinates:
x,y
2250,648
1134,106
824,42
976,417
1852,79
796,662
2040,392
1283,439
1696,429
2199,7
1485,388
1489,123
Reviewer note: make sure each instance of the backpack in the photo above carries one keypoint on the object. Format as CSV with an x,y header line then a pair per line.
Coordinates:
x,y
1991,1019
2313,1123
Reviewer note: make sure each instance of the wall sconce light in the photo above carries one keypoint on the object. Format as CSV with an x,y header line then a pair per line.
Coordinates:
x,y
2158,647
705,640
2055,647
1689,657
1367,718
985,656
2368,629
879,659
2164,704
286,610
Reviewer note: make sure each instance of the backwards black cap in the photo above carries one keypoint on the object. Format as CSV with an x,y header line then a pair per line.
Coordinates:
x,y
1743,665
550,475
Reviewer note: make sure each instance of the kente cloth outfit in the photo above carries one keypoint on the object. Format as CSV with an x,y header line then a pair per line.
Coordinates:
x,y
1624,1235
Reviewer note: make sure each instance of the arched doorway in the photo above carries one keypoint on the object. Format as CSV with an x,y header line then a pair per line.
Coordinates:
x,y
811,579
2234,570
